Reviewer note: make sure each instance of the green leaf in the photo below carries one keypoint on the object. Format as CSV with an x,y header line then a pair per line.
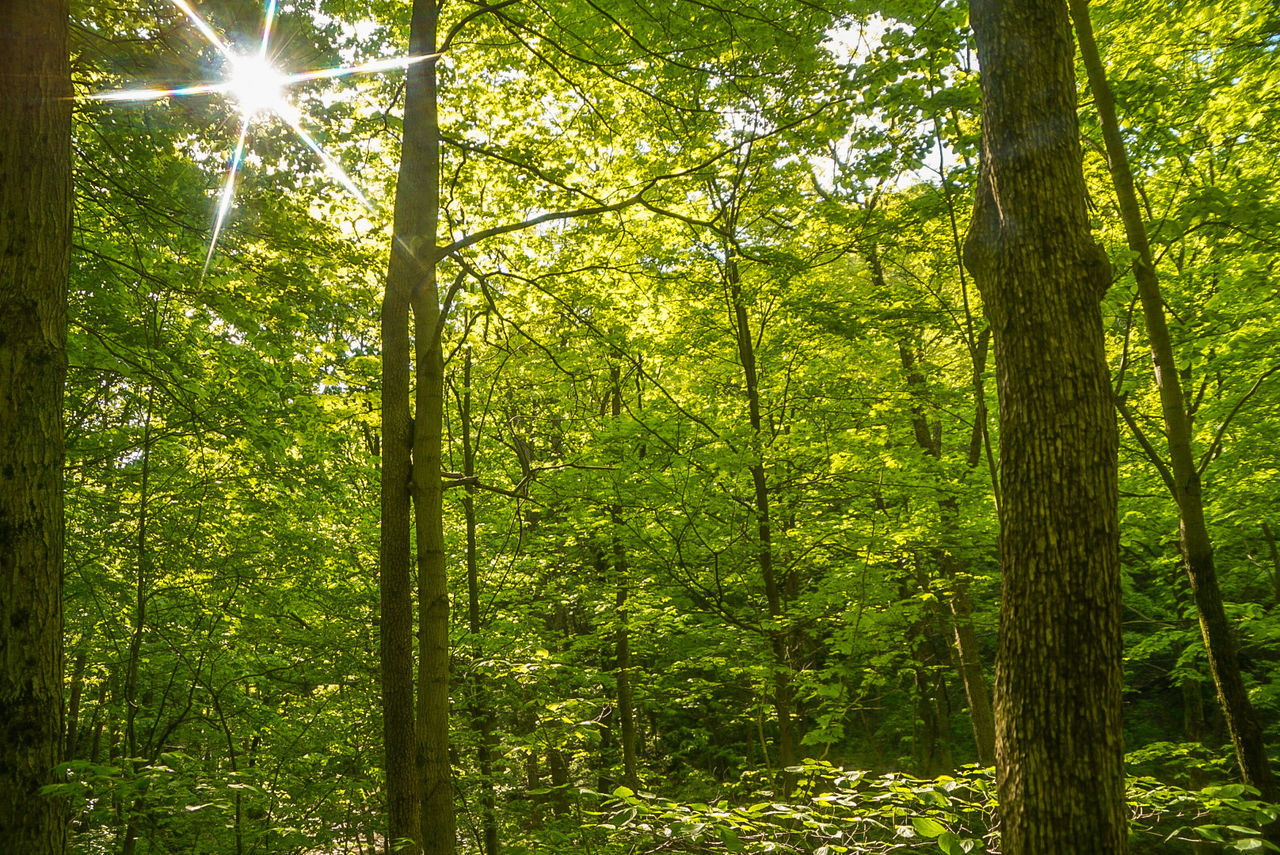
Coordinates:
x,y
1210,832
928,827
624,793
949,842
730,839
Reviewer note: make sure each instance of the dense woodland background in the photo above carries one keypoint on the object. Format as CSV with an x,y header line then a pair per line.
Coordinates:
x,y
778,328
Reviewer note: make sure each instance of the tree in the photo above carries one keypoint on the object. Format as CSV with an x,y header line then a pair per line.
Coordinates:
x,y
35,242
1057,693
1181,475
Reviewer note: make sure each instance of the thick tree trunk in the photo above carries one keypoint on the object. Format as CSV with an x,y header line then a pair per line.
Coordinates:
x,y
1197,548
419,792
1059,756
35,241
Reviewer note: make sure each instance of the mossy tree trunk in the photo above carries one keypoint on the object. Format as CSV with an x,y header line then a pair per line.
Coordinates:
x,y
35,242
1059,754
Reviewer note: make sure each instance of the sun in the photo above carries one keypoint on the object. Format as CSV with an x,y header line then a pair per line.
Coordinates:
x,y
257,87
259,90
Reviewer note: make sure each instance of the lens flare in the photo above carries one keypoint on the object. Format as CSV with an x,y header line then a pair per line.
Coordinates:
x,y
257,87
259,90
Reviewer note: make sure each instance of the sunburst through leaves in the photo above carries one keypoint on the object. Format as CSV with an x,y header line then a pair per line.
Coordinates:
x,y
259,90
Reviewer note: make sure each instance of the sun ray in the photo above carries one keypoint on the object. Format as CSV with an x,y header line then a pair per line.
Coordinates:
x,y
258,90
160,94
204,28
268,20
228,193
377,65
336,172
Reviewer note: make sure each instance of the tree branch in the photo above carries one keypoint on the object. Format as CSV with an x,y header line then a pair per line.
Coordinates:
x,y
1222,428
1152,454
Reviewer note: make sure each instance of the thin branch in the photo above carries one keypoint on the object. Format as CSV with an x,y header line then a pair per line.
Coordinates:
x,y
457,28
1222,428
636,198
1152,454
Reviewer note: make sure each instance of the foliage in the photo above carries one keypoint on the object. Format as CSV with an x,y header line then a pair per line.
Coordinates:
x,y
224,453
842,812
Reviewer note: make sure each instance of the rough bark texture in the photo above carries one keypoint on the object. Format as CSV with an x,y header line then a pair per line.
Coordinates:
x,y
35,240
1057,692
1197,548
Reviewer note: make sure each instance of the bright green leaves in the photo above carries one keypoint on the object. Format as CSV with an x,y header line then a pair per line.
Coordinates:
x,y
860,813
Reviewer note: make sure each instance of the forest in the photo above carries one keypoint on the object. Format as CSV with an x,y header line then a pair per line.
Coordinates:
x,y
622,427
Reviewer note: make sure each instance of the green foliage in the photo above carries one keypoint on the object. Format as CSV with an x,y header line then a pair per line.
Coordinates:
x,y
223,442
837,811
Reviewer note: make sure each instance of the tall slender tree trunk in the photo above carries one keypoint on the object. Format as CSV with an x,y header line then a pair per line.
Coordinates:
x,y
968,658
1197,548
419,190
74,703
411,475
783,691
129,831
622,636
482,703
35,242
1059,756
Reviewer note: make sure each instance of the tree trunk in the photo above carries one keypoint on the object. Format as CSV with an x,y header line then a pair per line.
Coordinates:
x,y
482,703
72,740
404,823
1197,548
418,200
777,633
622,638
977,693
35,241
133,752
1059,757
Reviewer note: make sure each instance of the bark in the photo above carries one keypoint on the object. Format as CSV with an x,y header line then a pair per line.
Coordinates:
x,y
404,822
418,201
1193,532
482,713
35,240
420,798
1059,753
